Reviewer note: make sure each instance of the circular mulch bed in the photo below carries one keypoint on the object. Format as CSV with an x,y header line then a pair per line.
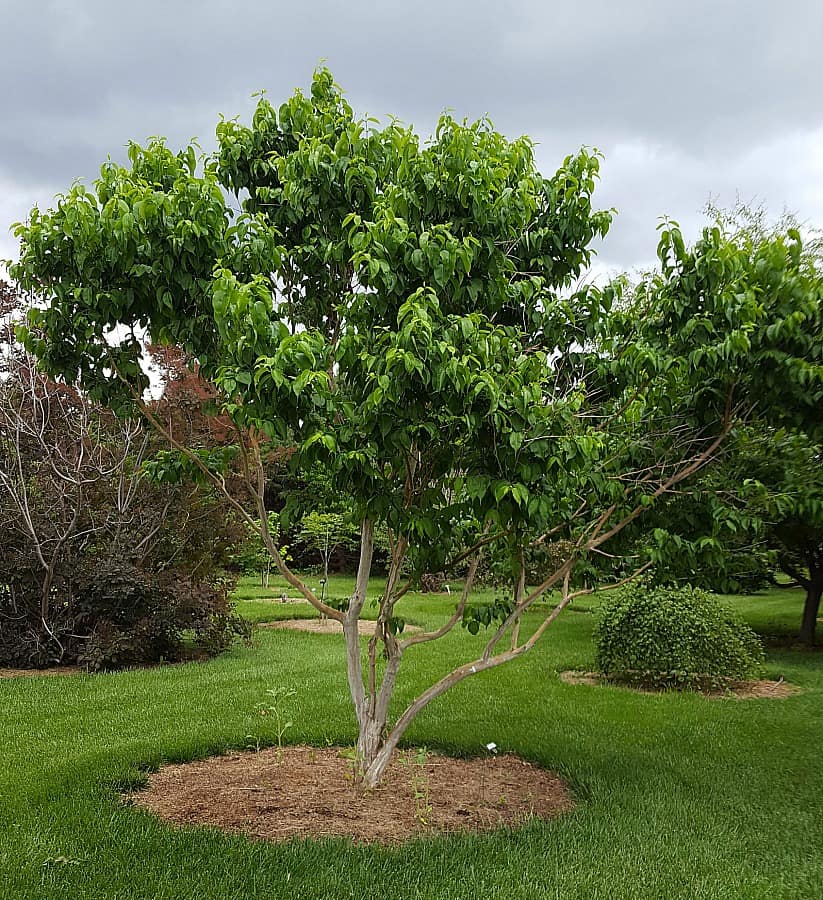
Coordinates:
x,y
329,626
737,690
308,792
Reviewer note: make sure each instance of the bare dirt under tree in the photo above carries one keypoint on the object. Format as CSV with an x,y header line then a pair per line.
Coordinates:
x,y
308,792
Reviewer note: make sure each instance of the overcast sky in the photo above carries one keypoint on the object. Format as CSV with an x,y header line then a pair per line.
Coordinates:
x,y
687,99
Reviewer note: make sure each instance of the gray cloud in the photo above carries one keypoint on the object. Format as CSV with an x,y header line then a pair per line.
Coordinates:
x,y
687,100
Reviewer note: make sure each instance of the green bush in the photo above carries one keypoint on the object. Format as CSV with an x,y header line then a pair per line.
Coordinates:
x,y
674,637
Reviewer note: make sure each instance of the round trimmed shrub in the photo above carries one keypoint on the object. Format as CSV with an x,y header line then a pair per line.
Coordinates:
x,y
679,637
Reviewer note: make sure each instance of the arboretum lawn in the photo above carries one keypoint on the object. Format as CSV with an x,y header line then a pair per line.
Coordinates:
x,y
678,796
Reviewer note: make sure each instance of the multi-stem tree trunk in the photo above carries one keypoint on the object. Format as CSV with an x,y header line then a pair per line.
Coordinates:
x,y
371,703
376,741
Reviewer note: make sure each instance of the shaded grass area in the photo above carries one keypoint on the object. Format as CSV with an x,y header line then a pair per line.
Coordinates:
x,y
679,796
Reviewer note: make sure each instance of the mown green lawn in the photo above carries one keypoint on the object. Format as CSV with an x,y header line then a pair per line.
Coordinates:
x,y
679,796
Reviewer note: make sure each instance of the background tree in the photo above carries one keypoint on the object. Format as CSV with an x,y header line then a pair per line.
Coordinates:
x,y
758,510
782,481
775,491
325,533
408,316
252,556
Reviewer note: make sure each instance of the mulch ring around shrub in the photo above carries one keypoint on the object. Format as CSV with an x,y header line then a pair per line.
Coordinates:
x,y
28,673
275,600
188,657
365,627
307,792
737,690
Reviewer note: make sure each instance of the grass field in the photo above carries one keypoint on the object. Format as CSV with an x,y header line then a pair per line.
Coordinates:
x,y
679,796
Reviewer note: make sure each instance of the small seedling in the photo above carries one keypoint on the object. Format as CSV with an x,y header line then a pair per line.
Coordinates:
x,y
420,785
253,743
273,709
353,761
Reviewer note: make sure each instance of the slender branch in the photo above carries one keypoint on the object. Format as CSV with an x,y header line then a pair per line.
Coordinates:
x,y
610,587
697,463
520,608
262,525
482,542
351,630
519,590
381,628
795,573
559,527
423,638
274,550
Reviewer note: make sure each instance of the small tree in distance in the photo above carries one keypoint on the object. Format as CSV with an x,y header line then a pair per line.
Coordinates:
x,y
409,316
325,533
252,555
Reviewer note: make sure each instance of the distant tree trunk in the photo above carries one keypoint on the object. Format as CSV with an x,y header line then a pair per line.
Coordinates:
x,y
811,608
